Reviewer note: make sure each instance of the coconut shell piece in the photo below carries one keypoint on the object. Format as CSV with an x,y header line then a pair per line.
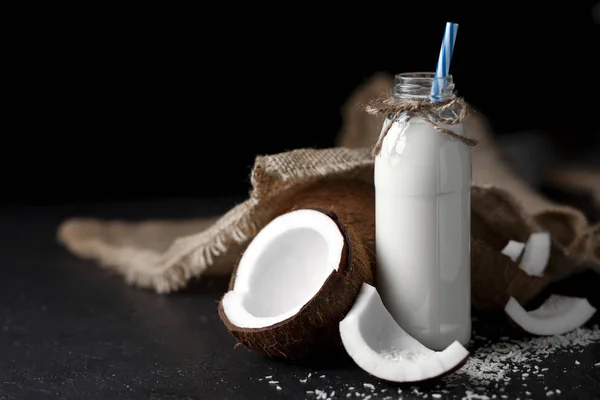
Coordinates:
x,y
495,278
314,329
497,218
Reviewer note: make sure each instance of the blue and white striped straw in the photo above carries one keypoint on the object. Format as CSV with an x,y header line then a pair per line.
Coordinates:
x,y
443,65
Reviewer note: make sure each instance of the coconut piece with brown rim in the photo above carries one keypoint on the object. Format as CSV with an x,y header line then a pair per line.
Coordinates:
x,y
382,348
556,316
495,278
294,283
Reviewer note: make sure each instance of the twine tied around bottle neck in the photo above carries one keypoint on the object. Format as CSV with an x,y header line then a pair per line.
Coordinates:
x,y
430,112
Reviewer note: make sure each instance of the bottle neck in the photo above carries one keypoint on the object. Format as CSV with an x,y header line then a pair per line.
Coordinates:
x,y
419,86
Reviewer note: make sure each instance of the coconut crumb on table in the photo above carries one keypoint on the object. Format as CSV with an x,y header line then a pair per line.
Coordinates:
x,y
492,368
369,385
487,363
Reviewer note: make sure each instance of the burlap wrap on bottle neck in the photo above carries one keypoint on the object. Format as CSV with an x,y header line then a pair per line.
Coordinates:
x,y
432,113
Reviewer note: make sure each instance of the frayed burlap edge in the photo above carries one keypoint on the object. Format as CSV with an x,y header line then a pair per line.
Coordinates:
x,y
274,179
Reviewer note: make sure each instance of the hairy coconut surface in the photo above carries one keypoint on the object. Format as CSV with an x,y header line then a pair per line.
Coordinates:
x,y
496,278
353,201
313,330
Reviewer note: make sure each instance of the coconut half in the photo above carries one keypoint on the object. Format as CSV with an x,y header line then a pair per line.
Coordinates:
x,y
378,345
294,283
557,315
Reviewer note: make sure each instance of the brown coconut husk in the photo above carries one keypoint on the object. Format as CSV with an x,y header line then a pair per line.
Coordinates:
x,y
353,201
314,329
495,278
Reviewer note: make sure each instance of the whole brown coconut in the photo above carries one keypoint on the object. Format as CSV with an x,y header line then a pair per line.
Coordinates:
x,y
313,330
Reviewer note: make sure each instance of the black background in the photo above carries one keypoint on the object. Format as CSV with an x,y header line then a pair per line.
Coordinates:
x,y
112,103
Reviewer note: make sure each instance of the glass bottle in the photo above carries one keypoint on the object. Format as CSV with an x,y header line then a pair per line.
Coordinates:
x,y
422,197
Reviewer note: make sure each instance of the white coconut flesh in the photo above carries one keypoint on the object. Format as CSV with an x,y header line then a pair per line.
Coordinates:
x,y
557,315
513,249
536,254
283,268
382,348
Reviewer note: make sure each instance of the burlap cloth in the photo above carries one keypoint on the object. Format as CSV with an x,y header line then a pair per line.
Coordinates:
x,y
166,255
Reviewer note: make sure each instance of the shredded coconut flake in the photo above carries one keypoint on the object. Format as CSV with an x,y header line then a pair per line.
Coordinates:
x,y
491,367
486,364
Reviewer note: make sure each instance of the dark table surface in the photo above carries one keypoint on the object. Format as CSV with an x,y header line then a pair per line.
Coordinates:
x,y
69,329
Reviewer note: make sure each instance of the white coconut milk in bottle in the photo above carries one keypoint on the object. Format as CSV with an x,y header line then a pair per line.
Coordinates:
x,y
422,194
